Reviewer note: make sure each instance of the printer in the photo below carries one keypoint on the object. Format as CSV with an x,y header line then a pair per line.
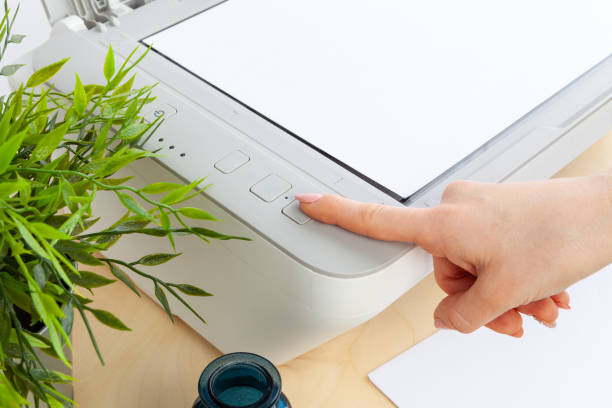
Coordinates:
x,y
383,101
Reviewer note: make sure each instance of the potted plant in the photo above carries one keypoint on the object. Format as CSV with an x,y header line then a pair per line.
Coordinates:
x,y
57,151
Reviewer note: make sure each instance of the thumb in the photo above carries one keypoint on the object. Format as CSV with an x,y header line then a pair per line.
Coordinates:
x,y
468,310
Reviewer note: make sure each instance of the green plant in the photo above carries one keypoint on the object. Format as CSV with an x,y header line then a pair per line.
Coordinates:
x,y
57,151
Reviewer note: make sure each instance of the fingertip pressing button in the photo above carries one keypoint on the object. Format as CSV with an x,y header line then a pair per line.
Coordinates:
x,y
293,211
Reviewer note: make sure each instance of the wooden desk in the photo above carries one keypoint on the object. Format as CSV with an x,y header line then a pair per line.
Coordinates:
x,y
158,364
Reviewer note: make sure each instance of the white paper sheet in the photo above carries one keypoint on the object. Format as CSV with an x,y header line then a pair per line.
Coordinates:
x,y
399,90
568,366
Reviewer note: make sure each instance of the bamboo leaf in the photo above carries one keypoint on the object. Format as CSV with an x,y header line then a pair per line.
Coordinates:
x,y
49,143
8,150
109,319
6,189
161,296
44,74
196,213
80,97
101,139
77,251
162,187
27,236
175,196
46,231
9,70
90,280
119,274
155,259
132,205
68,319
16,38
191,290
109,64
134,131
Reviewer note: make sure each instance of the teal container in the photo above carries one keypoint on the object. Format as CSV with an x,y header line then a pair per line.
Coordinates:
x,y
240,380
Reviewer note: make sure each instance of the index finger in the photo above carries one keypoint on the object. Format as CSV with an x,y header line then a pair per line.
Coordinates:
x,y
377,221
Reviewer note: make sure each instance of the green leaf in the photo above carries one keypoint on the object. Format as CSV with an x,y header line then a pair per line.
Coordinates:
x,y
93,89
134,131
101,139
9,70
125,87
109,64
178,194
116,182
191,290
119,274
44,74
46,231
6,189
27,236
90,280
132,205
68,319
67,192
196,214
51,305
41,121
161,296
16,38
49,143
8,150
50,376
157,188
6,122
109,319
216,235
78,251
80,97
155,259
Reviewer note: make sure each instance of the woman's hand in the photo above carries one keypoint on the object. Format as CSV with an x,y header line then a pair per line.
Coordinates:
x,y
499,249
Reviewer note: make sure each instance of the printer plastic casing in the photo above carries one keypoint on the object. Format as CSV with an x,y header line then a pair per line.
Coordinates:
x,y
293,286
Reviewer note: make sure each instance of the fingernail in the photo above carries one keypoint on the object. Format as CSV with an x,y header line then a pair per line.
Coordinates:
x,y
547,324
308,198
439,324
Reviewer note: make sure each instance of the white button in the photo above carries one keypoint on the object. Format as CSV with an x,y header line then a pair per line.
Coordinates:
x,y
231,162
270,188
159,110
294,212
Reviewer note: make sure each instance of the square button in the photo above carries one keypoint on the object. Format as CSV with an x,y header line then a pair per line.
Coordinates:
x,y
294,212
270,188
231,162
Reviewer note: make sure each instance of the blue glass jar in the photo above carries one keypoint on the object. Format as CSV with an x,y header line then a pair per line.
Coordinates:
x,y
240,380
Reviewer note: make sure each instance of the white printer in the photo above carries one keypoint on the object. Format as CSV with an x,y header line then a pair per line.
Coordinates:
x,y
384,101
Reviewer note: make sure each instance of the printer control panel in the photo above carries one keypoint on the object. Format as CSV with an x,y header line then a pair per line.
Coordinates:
x,y
247,179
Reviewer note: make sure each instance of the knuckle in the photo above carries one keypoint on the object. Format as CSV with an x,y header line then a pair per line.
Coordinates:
x,y
460,323
369,215
455,189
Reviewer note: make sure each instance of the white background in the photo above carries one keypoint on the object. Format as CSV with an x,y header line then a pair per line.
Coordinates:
x,y
31,21
565,367
400,90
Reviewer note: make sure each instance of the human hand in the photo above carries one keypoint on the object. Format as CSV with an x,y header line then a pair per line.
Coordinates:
x,y
499,249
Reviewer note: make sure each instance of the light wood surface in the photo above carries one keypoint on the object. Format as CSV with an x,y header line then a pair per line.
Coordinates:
x,y
158,364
